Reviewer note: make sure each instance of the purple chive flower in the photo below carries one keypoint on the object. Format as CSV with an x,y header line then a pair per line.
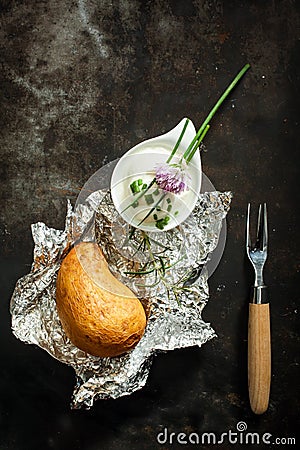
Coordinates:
x,y
171,178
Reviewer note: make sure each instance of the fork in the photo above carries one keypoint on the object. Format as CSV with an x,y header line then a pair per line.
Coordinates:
x,y
259,336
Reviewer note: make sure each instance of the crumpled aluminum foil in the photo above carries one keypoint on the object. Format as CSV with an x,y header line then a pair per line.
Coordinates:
x,y
171,324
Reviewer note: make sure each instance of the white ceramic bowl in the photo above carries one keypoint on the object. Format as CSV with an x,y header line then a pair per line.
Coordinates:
x,y
139,163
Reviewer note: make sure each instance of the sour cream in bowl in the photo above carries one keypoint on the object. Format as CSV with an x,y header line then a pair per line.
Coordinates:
x,y
150,204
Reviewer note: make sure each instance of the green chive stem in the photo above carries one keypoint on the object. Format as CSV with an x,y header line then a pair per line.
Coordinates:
x,y
215,108
152,209
140,272
188,159
178,141
193,146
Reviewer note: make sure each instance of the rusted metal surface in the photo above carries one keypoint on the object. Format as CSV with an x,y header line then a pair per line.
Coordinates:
x,y
83,81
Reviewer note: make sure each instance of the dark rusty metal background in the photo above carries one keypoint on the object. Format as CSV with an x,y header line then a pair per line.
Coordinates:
x,y
83,81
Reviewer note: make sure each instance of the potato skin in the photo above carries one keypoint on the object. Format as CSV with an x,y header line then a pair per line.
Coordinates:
x,y
99,314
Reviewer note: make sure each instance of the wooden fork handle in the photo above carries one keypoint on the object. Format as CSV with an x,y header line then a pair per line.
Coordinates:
x,y
259,357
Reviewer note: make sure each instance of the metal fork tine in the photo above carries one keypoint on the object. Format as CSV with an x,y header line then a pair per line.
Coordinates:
x,y
259,230
248,240
265,228
257,254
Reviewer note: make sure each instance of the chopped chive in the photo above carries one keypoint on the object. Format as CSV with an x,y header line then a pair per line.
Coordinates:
x,y
176,213
141,194
168,200
169,208
156,192
144,186
149,199
139,181
159,224
135,204
155,216
135,187
158,208
132,187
